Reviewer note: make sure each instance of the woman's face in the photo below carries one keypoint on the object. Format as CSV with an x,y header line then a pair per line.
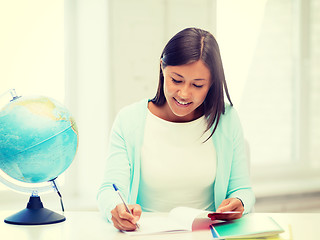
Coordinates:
x,y
185,88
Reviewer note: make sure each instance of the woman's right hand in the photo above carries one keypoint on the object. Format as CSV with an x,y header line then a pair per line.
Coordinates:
x,y
123,220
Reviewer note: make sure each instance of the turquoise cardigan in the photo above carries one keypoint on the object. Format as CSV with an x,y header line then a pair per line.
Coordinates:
x,y
124,156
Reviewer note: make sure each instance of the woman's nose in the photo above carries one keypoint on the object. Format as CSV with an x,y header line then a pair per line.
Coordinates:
x,y
184,92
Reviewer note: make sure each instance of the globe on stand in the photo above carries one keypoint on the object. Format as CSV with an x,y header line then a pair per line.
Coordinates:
x,y
38,142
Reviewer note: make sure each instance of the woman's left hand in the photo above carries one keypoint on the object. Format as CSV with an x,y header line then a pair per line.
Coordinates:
x,y
228,205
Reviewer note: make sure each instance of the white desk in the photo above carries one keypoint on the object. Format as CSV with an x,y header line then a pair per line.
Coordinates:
x,y
90,225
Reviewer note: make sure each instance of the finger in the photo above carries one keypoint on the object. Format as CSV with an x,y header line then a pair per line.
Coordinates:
x,y
126,216
226,208
223,204
116,223
123,224
136,212
123,213
231,205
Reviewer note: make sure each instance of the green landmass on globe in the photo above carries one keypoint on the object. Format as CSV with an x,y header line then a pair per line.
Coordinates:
x,y
38,139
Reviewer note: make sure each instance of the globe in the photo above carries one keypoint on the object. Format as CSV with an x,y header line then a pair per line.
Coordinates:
x,y
38,139
38,142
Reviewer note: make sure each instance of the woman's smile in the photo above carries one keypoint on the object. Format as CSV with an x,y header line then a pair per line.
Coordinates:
x,y
182,103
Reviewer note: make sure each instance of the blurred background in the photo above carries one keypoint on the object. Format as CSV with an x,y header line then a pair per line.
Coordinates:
x,y
100,55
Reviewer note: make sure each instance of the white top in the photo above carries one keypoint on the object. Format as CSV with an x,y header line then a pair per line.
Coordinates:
x,y
177,168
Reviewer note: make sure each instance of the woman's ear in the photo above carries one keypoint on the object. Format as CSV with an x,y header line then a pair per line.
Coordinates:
x,y
161,66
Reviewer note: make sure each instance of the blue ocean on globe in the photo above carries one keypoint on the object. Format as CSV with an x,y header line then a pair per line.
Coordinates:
x,y
38,139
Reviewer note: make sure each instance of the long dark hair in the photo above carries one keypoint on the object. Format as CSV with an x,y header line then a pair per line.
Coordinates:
x,y
191,45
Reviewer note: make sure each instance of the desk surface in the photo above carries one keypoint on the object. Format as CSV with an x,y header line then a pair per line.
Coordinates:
x,y
90,225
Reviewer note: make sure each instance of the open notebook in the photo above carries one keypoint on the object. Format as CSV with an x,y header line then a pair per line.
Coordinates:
x,y
179,219
182,219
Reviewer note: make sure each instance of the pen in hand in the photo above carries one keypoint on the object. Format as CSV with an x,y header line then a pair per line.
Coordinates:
x,y
124,202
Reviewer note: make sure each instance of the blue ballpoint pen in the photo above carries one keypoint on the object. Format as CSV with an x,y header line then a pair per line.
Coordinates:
x,y
124,202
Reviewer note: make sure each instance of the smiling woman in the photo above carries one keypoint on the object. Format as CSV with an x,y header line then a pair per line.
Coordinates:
x,y
183,147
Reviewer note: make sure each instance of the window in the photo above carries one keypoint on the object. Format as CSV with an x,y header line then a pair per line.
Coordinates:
x,y
314,87
271,53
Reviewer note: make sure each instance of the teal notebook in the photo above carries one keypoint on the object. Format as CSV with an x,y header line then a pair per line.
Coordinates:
x,y
248,226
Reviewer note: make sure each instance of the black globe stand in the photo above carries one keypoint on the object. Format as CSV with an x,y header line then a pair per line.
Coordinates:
x,y
35,214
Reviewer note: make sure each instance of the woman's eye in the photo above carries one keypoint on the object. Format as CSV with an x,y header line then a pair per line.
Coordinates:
x,y
198,86
176,81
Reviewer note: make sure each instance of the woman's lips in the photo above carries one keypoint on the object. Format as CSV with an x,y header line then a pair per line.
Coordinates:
x,y
182,103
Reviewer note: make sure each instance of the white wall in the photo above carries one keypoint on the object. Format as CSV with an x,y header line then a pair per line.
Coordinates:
x,y
87,93
32,47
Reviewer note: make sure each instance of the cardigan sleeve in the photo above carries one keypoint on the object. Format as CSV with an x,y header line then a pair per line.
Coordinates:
x,y
117,170
239,185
